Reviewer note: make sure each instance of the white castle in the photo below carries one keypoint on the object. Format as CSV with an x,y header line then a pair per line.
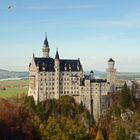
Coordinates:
x,y
51,78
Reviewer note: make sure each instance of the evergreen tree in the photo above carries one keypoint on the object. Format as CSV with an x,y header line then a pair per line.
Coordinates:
x,y
125,97
120,135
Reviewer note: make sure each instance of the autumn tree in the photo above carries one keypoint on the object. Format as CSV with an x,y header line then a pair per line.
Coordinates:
x,y
99,135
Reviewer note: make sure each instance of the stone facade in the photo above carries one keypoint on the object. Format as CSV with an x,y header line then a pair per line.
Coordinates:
x,y
51,78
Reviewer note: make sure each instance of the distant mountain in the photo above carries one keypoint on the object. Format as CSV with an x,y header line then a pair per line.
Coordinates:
x,y
120,75
98,74
4,74
128,75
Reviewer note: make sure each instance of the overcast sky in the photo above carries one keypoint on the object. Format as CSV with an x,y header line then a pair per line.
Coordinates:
x,y
92,30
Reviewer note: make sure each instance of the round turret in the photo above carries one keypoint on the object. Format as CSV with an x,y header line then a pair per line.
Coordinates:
x,y
91,76
111,63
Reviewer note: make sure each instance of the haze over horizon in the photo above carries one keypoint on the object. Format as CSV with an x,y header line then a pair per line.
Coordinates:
x,y
93,31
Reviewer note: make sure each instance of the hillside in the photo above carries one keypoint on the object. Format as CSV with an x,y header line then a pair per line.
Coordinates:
x,y
122,119
119,75
4,74
61,119
64,119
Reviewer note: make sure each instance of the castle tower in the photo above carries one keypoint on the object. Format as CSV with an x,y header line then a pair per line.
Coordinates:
x,y
111,74
33,80
57,75
46,49
91,75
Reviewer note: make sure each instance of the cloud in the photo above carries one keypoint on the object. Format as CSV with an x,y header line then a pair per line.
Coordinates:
x,y
57,8
33,7
81,7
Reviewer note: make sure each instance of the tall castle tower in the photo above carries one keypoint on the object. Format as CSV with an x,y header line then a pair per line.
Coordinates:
x,y
46,49
57,74
111,74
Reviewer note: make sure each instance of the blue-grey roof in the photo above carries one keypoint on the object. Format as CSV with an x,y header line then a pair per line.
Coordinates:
x,y
47,64
86,77
98,81
70,64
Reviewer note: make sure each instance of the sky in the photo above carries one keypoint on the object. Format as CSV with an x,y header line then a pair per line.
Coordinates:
x,y
92,30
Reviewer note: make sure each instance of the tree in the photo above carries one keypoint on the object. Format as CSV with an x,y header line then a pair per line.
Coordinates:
x,y
99,135
135,88
117,111
111,136
121,135
93,131
81,108
125,97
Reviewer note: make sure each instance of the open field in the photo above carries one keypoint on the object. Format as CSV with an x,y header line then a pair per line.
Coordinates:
x,y
13,88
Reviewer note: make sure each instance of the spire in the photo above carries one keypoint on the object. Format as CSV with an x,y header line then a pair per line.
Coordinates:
x,y
111,60
33,55
46,41
57,54
46,49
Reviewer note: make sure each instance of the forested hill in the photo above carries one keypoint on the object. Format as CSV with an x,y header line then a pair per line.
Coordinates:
x,y
4,74
63,119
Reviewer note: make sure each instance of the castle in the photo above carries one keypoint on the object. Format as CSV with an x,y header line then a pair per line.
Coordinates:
x,y
51,78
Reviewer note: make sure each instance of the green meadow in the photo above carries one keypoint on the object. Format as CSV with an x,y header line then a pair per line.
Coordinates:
x,y
13,88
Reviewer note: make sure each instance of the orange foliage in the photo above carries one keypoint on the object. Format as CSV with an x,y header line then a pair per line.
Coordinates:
x,y
93,131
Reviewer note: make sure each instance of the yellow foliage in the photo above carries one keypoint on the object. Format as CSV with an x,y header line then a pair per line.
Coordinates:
x,y
99,135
